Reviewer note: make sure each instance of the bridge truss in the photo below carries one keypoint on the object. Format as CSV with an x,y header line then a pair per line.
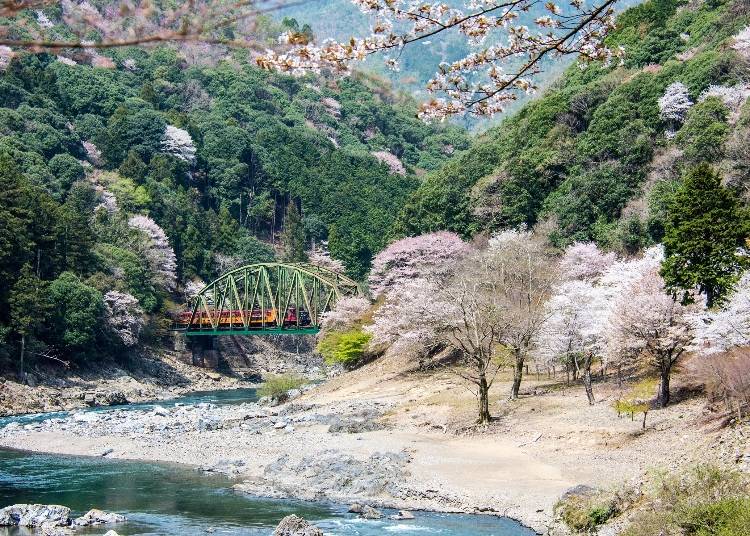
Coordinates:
x,y
266,298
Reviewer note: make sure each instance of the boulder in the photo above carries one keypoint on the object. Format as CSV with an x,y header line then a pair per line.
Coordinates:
x,y
296,526
368,512
49,529
355,508
111,533
35,515
98,517
402,515
111,398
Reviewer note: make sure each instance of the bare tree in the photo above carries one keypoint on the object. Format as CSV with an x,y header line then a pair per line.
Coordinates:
x,y
526,274
476,322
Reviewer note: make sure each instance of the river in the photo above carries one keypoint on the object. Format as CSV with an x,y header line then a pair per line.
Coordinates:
x,y
163,499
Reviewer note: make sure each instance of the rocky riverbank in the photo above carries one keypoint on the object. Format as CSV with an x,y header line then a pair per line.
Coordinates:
x,y
163,375
390,438
108,385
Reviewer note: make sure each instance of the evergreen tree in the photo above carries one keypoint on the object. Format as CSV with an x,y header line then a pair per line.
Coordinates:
x,y
28,308
704,230
293,235
76,232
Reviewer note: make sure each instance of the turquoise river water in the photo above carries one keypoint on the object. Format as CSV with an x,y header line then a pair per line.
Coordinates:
x,y
161,499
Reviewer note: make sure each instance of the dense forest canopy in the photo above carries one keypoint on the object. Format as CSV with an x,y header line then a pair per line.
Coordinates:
x,y
136,171
596,156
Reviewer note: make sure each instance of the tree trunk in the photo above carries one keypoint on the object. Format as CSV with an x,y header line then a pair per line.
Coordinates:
x,y
21,374
484,400
643,425
663,396
517,377
588,359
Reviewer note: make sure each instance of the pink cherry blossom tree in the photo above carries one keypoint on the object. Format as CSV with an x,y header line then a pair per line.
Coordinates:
x,y
179,143
584,261
124,316
647,322
321,256
428,256
574,330
526,275
346,314
156,249
719,330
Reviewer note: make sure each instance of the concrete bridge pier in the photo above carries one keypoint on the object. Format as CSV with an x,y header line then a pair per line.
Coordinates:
x,y
204,351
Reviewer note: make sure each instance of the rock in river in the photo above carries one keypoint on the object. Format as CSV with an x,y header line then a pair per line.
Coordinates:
x,y
98,517
368,512
35,515
296,526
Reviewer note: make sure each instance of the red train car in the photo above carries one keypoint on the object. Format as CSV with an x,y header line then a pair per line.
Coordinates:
x,y
234,319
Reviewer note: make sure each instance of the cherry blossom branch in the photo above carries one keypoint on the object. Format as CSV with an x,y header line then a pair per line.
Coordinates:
x,y
125,24
477,83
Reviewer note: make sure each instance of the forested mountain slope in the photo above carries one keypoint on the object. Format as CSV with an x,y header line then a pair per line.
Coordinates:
x,y
136,171
596,155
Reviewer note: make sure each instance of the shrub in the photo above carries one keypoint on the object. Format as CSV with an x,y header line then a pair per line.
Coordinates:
x,y
277,386
343,347
726,379
583,513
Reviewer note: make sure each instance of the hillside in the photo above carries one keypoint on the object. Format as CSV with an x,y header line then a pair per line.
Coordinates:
x,y
137,171
593,158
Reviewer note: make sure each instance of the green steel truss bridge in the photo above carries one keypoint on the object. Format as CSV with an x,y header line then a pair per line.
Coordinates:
x,y
265,299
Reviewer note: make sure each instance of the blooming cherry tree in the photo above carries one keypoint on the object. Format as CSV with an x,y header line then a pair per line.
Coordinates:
x,y
178,142
157,251
649,323
124,316
346,314
574,328
674,105
584,261
733,97
721,329
420,257
321,256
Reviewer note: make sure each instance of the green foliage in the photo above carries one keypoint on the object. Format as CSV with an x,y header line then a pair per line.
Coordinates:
x,y
277,386
67,170
250,250
581,152
260,140
704,228
703,135
28,302
293,236
77,313
344,347
636,400
134,126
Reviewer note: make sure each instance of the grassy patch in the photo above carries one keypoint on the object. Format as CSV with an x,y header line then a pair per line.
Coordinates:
x,y
583,513
277,386
707,501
